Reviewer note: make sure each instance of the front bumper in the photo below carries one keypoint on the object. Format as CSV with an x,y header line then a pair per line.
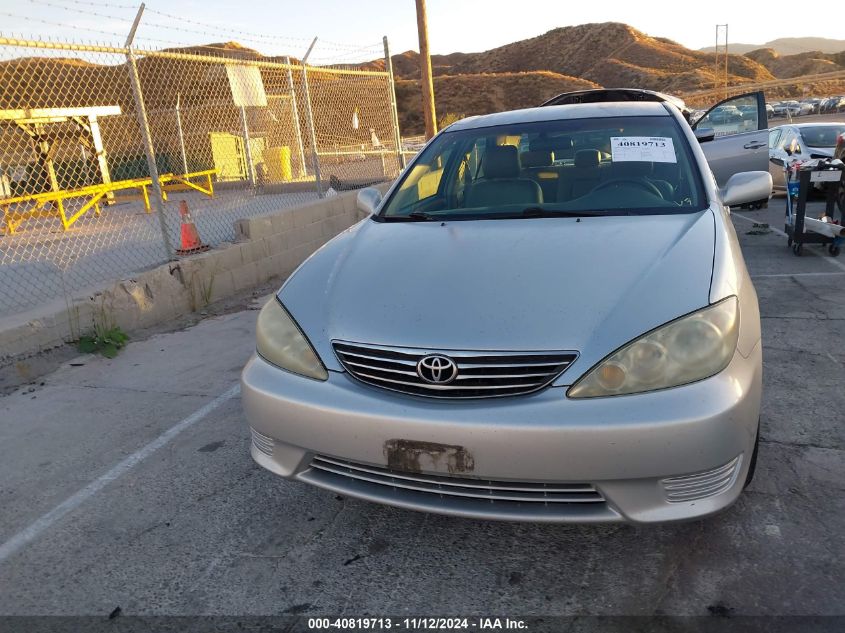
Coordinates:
x,y
624,447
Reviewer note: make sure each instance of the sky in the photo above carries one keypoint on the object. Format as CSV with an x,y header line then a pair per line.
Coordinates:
x,y
345,27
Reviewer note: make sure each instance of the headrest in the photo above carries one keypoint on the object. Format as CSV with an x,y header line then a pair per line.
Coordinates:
x,y
632,169
502,161
586,158
560,145
537,158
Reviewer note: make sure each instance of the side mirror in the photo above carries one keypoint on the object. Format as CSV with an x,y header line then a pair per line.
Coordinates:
x,y
368,200
705,134
747,186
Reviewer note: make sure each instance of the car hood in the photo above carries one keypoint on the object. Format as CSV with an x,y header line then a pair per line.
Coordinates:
x,y
586,284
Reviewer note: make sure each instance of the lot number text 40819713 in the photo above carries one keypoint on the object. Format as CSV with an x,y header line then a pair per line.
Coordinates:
x,y
417,624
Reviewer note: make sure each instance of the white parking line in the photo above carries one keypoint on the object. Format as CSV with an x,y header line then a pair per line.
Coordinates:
x,y
797,275
29,533
826,258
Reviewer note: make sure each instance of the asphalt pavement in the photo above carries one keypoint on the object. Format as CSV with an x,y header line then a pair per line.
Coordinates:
x,y
128,483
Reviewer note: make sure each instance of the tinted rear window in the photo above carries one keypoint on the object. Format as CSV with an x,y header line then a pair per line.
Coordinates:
x,y
823,135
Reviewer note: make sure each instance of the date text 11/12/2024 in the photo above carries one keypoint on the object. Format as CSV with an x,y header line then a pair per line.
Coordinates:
x,y
416,624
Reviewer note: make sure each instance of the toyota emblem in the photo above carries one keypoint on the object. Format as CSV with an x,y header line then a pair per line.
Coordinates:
x,y
437,369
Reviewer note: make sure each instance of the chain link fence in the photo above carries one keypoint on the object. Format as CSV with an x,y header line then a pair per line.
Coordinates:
x,y
99,145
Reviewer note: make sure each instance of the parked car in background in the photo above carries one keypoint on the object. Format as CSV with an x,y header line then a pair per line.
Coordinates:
x,y
695,115
770,111
833,104
472,352
747,109
801,141
805,108
726,114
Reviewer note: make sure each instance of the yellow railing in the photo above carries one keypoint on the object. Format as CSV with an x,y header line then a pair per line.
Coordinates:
x,y
53,203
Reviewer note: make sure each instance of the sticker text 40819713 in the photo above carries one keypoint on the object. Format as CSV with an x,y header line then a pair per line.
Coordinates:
x,y
655,149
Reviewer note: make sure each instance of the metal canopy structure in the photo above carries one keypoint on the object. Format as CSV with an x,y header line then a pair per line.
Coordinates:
x,y
35,123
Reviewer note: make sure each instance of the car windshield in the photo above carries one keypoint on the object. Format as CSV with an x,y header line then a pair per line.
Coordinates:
x,y
599,166
822,135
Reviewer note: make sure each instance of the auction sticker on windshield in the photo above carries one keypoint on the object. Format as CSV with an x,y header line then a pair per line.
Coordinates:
x,y
655,149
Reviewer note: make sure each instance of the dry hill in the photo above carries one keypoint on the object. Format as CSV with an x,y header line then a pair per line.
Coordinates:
x,y
613,55
789,46
481,93
787,66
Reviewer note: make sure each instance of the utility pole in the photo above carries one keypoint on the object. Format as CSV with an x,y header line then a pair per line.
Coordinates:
x,y
717,66
426,82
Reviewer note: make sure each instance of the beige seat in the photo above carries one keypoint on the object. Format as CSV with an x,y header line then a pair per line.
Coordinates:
x,y
538,166
582,177
502,183
560,146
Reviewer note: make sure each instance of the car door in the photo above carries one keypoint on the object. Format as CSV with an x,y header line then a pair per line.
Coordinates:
x,y
737,145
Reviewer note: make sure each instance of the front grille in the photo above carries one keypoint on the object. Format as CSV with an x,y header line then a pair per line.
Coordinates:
x,y
702,484
509,500
480,374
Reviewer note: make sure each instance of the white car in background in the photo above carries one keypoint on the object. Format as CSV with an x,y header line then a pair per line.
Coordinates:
x,y
800,142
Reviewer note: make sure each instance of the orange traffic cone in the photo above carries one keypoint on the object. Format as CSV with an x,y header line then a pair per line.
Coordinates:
x,y
191,242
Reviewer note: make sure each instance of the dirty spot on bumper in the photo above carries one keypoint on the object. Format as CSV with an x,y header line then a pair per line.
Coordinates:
x,y
415,457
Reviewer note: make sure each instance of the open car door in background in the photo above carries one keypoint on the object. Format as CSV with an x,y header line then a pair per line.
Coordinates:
x,y
740,137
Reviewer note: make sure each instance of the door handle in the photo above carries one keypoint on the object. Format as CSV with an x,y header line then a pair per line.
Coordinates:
x,y
754,145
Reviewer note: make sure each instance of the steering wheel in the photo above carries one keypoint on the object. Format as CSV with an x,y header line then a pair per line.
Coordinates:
x,y
639,184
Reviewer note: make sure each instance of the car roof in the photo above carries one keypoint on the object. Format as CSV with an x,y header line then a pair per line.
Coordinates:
x,y
812,124
555,113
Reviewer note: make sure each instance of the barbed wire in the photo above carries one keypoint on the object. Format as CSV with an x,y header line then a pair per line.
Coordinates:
x,y
217,30
107,5
329,53
27,18
47,3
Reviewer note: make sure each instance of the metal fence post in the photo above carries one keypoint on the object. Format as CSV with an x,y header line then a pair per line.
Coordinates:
x,y
309,115
149,150
303,172
181,134
250,166
394,115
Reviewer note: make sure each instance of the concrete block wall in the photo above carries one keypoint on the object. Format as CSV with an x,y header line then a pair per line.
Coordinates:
x,y
268,247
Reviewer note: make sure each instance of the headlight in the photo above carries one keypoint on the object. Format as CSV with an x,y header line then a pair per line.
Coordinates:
x,y
280,341
691,348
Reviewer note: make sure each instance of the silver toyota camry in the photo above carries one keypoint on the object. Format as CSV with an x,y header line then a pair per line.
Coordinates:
x,y
547,317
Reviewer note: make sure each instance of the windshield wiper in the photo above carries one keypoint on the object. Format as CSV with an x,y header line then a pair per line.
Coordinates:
x,y
421,216
414,216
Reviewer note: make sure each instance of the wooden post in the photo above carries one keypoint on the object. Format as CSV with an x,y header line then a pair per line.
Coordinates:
x,y
425,73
